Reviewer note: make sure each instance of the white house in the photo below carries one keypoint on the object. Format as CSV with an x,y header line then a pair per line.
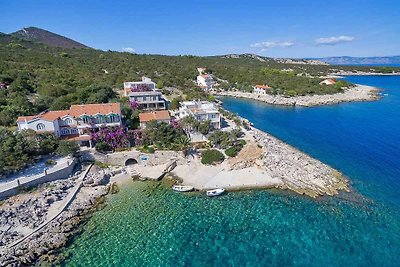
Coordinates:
x,y
261,89
201,111
146,82
148,100
205,81
158,116
73,124
328,82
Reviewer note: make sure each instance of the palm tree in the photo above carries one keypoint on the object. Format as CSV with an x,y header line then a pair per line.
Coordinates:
x,y
183,142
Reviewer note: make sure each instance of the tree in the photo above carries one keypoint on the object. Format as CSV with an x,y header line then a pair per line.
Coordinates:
x,y
211,156
67,148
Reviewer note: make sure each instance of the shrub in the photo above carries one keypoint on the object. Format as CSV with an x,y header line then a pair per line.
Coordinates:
x,y
67,148
103,147
233,151
50,162
211,156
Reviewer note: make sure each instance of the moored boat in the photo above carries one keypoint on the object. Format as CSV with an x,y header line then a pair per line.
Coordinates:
x,y
215,192
182,188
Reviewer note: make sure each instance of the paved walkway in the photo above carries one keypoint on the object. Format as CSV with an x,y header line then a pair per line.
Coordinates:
x,y
23,179
62,207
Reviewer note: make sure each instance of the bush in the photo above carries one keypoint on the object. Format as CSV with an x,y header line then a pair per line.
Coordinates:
x,y
103,147
50,162
67,148
211,156
233,151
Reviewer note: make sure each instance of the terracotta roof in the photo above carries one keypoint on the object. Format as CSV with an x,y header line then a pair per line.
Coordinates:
x,y
92,109
263,86
76,111
155,115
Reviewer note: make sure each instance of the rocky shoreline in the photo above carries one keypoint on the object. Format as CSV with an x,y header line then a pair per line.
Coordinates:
x,y
358,93
22,213
298,171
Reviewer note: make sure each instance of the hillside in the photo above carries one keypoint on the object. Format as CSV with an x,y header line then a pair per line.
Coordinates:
x,y
51,39
361,60
41,77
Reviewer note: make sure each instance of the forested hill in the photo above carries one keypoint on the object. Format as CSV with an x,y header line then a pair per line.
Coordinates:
x,y
40,77
47,38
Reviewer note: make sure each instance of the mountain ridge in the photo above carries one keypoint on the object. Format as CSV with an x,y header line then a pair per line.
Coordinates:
x,y
46,37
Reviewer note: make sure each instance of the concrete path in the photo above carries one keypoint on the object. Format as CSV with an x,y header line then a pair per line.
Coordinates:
x,y
65,202
23,179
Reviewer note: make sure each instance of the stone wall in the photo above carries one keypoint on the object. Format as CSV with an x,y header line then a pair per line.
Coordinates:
x,y
56,175
119,158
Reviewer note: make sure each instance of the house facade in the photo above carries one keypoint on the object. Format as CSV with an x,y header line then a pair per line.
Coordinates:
x,y
145,83
261,89
205,81
158,116
73,124
201,111
148,100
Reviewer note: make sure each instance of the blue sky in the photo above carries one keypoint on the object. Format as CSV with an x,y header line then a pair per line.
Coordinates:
x,y
284,28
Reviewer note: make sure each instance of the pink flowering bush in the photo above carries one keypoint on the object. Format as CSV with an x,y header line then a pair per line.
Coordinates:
x,y
116,136
134,105
140,88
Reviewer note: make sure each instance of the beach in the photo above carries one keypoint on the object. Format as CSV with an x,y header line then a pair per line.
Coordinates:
x,y
358,93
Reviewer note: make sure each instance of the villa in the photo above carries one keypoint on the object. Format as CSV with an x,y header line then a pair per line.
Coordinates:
x,y
148,100
261,89
73,124
145,83
328,82
158,116
205,81
201,111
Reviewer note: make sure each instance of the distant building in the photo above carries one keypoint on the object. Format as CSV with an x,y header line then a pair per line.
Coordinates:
x,y
328,82
148,100
205,81
158,116
261,89
201,70
145,83
201,111
73,124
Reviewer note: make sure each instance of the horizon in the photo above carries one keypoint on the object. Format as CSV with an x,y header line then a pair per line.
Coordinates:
x,y
277,30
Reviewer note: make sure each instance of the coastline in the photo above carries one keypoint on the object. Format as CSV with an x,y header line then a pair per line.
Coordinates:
x,y
358,93
278,165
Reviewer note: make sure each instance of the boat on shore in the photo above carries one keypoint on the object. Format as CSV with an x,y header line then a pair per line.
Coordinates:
x,y
182,188
215,192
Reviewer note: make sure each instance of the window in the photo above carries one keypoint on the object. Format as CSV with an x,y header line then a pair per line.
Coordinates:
x,y
74,131
85,119
65,131
40,127
68,121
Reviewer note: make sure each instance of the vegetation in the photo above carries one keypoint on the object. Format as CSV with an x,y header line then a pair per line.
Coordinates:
x,y
235,149
18,150
67,148
103,147
211,156
225,140
164,136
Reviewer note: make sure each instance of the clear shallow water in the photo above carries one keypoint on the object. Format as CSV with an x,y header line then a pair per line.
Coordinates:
x,y
147,224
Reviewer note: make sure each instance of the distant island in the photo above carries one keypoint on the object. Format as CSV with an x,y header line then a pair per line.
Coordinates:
x,y
345,60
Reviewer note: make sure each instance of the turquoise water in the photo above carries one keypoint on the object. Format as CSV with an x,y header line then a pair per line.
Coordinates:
x,y
147,224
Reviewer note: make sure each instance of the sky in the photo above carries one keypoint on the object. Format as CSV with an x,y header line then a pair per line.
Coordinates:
x,y
285,28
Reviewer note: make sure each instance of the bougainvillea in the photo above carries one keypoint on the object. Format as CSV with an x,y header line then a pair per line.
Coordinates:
x,y
134,105
176,124
116,136
140,88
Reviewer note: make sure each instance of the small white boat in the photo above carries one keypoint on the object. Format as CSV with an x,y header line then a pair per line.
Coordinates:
x,y
182,188
215,192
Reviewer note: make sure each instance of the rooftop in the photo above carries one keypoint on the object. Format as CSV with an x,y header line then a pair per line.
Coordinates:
x,y
263,86
154,116
76,111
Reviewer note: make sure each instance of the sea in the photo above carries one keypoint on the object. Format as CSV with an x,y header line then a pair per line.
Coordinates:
x,y
147,224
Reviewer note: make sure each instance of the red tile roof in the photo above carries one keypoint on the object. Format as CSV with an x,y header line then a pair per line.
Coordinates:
x,y
154,116
76,111
263,86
